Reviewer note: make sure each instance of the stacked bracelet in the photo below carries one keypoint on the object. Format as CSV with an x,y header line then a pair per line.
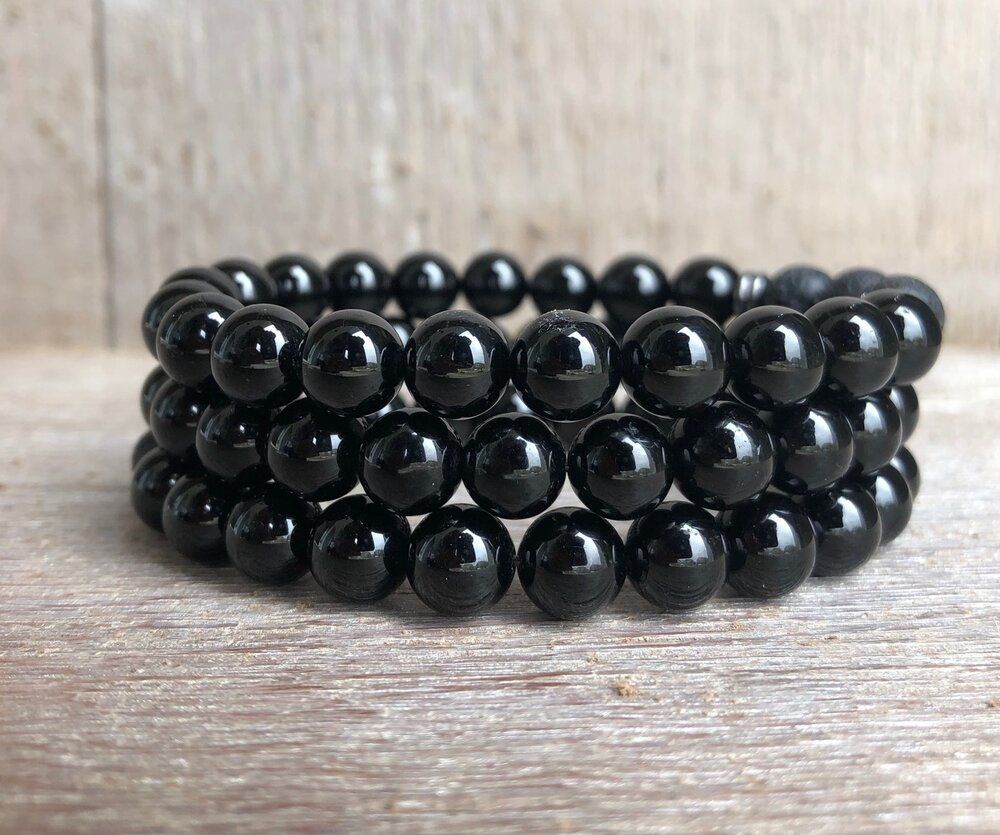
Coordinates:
x,y
778,406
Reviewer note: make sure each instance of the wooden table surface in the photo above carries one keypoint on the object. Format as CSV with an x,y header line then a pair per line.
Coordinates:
x,y
139,691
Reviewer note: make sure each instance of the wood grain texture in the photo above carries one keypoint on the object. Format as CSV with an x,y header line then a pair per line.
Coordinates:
x,y
141,692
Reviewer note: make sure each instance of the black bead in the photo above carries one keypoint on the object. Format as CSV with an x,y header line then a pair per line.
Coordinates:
x,y
857,281
798,287
194,517
410,461
303,287
632,286
708,285
184,338
777,357
268,535
571,563
457,364
921,289
424,284
566,365
152,478
674,359
352,362
677,556
231,442
917,329
314,453
904,462
749,293
618,466
848,528
494,283
145,443
514,466
254,282
904,398
162,300
723,455
893,497
220,282
563,284
359,281
174,416
815,445
461,560
150,386
402,327
861,345
773,547
878,431
359,549
257,355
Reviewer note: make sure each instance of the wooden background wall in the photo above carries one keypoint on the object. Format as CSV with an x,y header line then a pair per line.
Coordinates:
x,y
139,136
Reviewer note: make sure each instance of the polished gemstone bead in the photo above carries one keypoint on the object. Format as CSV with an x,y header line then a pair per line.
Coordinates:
x,y
674,359
174,416
893,497
457,364
194,517
461,560
359,549
861,345
904,462
722,454
921,289
571,563
773,547
904,398
857,281
162,300
877,429
815,445
184,338
352,362
708,285
632,286
303,287
494,283
917,329
510,401
563,284
618,466
359,281
798,287
749,293
848,528
257,355
410,461
254,282
268,535
150,386
777,357
514,466
231,442
424,284
677,556
566,365
145,443
152,478
220,282
402,327
314,453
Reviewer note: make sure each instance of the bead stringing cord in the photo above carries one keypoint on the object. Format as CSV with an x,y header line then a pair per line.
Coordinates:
x,y
778,407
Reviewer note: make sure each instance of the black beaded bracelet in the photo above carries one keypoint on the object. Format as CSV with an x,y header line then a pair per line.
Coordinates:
x,y
787,422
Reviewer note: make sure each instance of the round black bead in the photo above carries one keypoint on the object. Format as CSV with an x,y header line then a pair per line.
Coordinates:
x,y
494,283
231,442
153,476
145,443
815,446
220,282
571,563
150,386
893,497
917,329
857,281
921,289
848,528
566,365
708,285
359,281
424,284
632,286
677,556
359,549
749,293
674,359
194,517
798,287
773,547
184,338
513,466
861,345
268,535
162,300
410,461
254,282
461,560
723,455
904,462
457,364
563,284
174,416
303,287
314,453
257,355
878,431
904,398
352,362
618,466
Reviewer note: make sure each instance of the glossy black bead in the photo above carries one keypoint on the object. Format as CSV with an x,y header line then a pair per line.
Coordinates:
x,y
184,338
314,453
150,386
268,535
359,281
878,431
815,445
153,476
352,362
410,461
723,455
145,443
917,329
494,283
162,300
194,517
708,285
857,281
571,563
777,357
921,289
619,466
893,498
424,284
254,283
514,466
257,355
799,287
457,364
566,365
677,556
861,345
773,547
632,286
848,528
174,416
461,560
906,465
231,442
359,549
303,287
221,282
750,288
904,398
403,328
563,284
674,359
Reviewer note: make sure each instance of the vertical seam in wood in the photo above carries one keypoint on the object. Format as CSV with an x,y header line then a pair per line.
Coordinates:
x,y
102,135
